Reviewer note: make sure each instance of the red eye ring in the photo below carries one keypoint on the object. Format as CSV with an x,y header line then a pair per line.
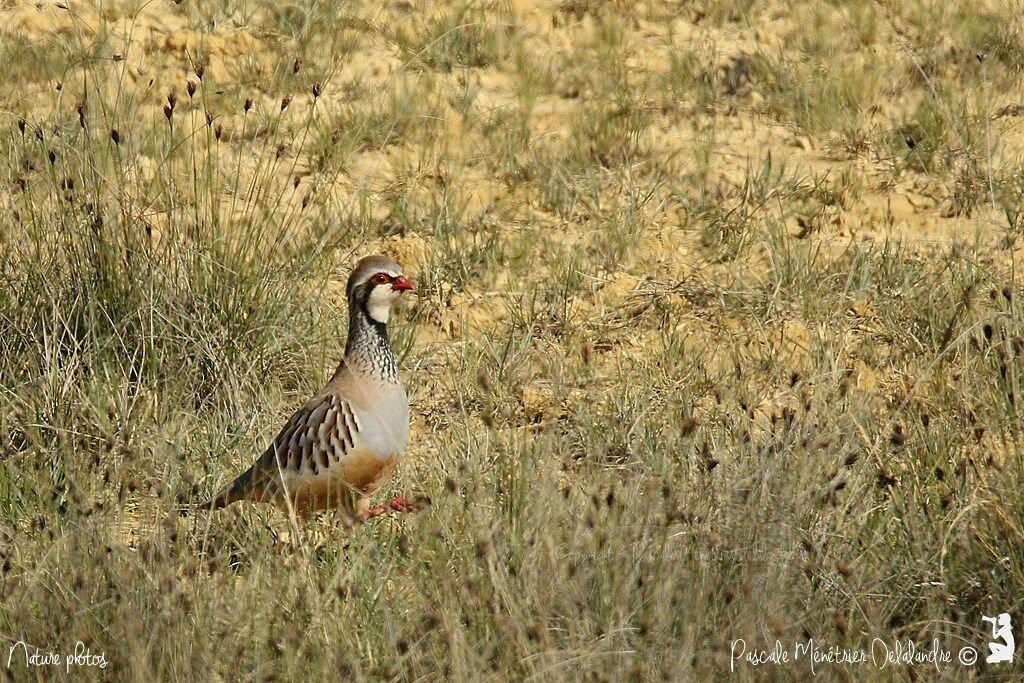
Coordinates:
x,y
380,279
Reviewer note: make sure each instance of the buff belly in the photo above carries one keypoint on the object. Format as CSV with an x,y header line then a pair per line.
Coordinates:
x,y
345,485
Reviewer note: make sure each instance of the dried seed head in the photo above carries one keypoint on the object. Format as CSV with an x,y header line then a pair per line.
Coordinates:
x,y
317,89
172,99
80,108
689,424
281,149
295,182
218,131
285,101
21,126
885,480
115,136
190,88
248,105
898,438
53,157
168,111
209,119
200,70
296,66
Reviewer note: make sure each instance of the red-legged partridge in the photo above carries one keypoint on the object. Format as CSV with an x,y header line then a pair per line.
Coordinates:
x,y
338,449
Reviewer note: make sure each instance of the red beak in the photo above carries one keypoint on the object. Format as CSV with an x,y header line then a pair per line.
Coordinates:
x,y
403,284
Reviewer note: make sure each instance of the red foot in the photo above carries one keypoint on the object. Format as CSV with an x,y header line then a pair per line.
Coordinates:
x,y
405,504
396,504
373,512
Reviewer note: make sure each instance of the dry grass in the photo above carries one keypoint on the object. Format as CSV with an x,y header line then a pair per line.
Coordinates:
x,y
719,332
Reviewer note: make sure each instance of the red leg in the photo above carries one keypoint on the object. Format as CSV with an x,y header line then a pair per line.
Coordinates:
x,y
405,504
373,512
398,504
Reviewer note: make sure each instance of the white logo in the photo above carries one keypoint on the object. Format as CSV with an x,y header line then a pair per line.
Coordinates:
x,y
1001,631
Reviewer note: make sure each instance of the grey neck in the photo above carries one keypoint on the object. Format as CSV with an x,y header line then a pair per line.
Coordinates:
x,y
368,350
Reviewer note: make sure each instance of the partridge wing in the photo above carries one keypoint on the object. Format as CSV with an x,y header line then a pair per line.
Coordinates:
x,y
320,434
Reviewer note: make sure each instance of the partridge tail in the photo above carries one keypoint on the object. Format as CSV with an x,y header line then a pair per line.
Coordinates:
x,y
222,499
258,477
239,489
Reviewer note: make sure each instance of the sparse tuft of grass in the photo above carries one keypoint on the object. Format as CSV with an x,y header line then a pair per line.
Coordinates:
x,y
470,35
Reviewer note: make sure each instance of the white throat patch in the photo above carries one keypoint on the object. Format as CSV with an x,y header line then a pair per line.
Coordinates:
x,y
378,304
